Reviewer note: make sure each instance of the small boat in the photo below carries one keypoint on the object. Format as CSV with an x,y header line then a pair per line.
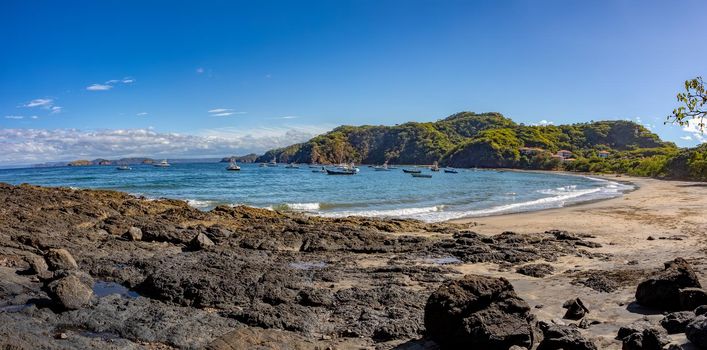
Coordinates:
x,y
124,167
434,167
292,166
383,167
162,164
339,171
322,170
263,165
412,171
273,163
451,171
233,166
427,176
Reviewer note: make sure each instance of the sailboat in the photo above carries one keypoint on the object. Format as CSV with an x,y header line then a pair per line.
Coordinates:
x,y
162,164
232,166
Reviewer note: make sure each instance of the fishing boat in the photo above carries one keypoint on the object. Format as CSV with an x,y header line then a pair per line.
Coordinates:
x,y
232,166
427,176
292,166
162,164
435,167
124,167
451,171
412,171
340,171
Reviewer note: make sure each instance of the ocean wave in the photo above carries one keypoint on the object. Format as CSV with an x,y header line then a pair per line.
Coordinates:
x,y
401,212
200,204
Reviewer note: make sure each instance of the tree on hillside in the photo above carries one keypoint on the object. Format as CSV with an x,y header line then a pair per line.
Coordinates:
x,y
694,110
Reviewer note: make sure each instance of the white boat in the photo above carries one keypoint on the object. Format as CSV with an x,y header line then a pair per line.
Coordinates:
x,y
232,166
435,167
162,164
292,166
273,163
124,167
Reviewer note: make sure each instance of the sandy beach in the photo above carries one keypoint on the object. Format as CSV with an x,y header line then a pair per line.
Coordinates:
x,y
672,213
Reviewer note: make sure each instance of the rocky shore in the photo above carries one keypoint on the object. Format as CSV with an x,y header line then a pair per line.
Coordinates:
x,y
88,269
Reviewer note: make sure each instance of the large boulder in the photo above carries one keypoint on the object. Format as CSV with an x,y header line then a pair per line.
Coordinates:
x,y
479,312
696,331
662,291
70,292
60,259
563,337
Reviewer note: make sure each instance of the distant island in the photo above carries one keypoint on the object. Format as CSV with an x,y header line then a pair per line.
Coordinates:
x,y
248,158
490,140
100,161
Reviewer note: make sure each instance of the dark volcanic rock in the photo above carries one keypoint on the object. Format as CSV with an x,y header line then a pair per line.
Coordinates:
x,y
637,326
648,339
701,310
691,298
575,309
37,265
675,322
201,241
536,270
134,234
70,292
696,331
479,312
563,337
60,259
662,291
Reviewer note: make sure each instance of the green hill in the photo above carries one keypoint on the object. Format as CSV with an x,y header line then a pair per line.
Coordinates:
x,y
469,139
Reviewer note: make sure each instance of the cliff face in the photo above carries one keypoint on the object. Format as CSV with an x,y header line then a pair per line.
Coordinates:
x,y
466,140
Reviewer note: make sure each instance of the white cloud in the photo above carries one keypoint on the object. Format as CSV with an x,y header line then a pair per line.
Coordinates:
x,y
56,109
40,102
28,146
200,70
99,87
34,117
290,117
219,110
110,84
223,112
686,137
14,117
693,127
544,123
141,114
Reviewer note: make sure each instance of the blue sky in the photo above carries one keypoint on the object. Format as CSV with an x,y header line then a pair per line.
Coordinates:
x,y
114,78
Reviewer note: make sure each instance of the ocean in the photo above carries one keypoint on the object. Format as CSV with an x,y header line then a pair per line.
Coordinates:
x,y
444,196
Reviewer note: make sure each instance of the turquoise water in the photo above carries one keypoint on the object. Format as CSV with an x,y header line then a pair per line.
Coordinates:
x,y
370,193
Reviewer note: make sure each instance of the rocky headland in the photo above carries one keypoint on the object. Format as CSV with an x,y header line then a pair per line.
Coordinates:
x,y
88,269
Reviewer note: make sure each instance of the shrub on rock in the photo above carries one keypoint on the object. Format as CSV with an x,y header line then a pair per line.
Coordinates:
x,y
479,312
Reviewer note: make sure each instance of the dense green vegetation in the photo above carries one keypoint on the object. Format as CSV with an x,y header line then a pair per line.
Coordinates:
x,y
491,140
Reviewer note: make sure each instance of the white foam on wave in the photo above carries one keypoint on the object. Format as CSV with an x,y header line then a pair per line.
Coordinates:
x,y
199,204
401,212
303,206
557,198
